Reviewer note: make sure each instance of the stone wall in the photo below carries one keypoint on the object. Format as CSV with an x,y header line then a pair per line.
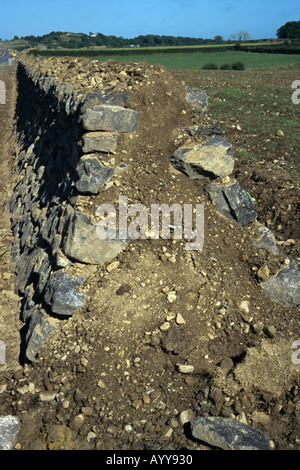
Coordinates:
x,y
58,128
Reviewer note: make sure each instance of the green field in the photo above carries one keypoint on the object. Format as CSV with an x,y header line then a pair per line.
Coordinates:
x,y
195,61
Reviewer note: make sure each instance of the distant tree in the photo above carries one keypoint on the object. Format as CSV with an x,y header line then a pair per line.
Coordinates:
x,y
290,30
218,39
242,36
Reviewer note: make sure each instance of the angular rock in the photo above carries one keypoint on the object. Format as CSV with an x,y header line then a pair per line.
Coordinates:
x,y
266,241
9,430
82,243
233,202
110,118
284,288
198,99
99,142
40,325
228,434
92,175
62,293
210,160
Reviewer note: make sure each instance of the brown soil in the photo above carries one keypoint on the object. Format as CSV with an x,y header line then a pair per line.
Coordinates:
x,y
109,378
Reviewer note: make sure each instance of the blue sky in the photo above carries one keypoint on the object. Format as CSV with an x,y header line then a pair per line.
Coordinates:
x,y
130,18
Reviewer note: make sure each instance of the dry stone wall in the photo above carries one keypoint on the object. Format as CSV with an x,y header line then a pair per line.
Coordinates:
x,y
57,134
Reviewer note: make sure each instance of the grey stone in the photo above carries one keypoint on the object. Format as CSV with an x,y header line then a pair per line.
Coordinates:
x,y
228,434
62,293
40,325
233,202
82,243
284,288
92,175
99,142
266,241
110,118
210,160
198,99
9,430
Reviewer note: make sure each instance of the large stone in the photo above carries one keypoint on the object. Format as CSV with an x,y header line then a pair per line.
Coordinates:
x,y
92,175
197,99
233,202
62,293
99,142
107,117
284,288
228,434
82,243
210,160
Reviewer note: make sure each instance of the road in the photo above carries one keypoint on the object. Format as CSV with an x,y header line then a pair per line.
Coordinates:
x,y
4,56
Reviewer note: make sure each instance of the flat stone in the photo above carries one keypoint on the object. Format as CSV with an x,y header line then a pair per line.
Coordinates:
x,y
107,117
92,175
62,293
82,243
284,288
233,202
99,142
210,160
228,434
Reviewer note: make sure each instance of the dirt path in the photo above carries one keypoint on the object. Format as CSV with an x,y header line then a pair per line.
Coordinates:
x,y
9,301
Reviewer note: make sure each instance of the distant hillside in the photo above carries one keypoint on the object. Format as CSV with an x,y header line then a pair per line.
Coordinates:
x,y
68,40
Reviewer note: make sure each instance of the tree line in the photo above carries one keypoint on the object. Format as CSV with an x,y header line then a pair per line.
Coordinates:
x,y
59,39
79,40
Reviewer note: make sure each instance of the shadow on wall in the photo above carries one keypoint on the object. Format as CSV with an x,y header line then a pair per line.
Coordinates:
x,y
49,131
